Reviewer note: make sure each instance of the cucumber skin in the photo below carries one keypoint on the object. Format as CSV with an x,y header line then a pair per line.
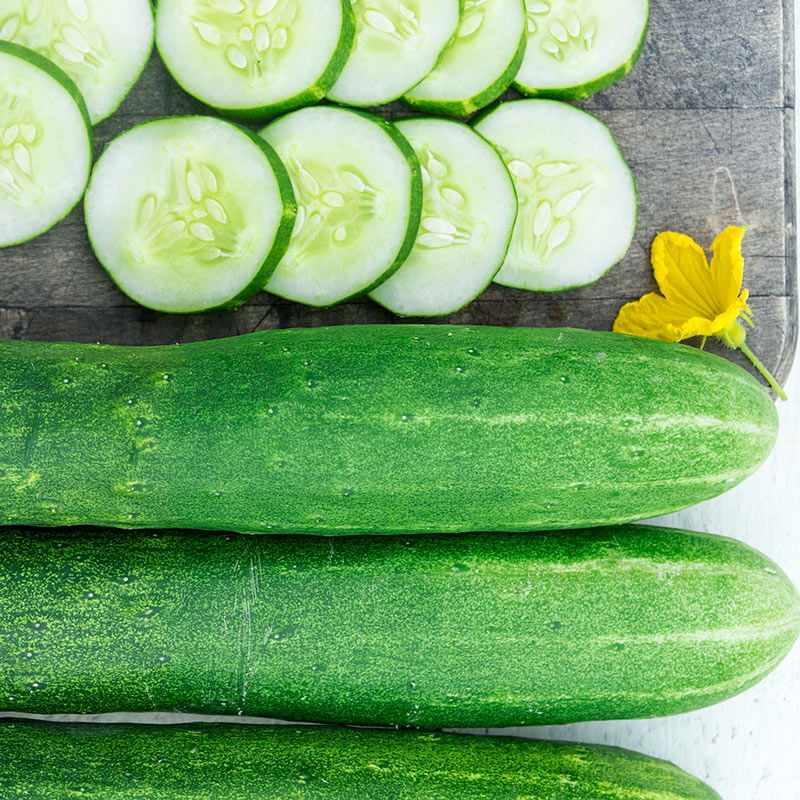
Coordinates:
x,y
496,420
584,90
449,630
58,74
455,108
415,212
282,762
283,235
310,96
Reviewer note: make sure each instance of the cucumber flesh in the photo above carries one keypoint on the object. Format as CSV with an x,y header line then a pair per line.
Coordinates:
x,y
359,195
289,762
397,43
480,62
577,47
577,196
103,46
255,58
189,214
45,144
468,212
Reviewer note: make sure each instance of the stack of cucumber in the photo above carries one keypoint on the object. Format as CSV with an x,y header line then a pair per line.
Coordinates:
x,y
324,204
396,526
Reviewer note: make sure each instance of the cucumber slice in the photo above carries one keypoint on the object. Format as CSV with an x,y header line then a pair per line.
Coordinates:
x,y
359,196
577,196
468,212
45,144
398,42
103,46
255,58
479,64
189,213
578,47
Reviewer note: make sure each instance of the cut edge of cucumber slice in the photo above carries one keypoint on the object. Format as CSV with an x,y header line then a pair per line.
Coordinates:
x,y
502,258
584,90
57,74
616,260
309,97
463,108
415,206
280,242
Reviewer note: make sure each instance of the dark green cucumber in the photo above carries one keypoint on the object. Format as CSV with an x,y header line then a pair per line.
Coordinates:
x,y
373,429
452,630
282,762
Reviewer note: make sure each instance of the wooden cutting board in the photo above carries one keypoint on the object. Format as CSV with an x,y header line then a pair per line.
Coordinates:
x,y
705,120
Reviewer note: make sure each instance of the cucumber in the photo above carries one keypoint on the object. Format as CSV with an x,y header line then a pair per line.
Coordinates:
x,y
45,144
359,194
189,213
469,208
480,62
285,762
102,46
449,630
373,429
255,59
397,43
577,196
578,47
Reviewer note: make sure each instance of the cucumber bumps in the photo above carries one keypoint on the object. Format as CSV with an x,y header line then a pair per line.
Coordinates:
x,y
45,144
190,213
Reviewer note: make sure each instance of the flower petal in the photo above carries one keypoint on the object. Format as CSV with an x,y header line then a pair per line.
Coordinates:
x,y
727,265
652,316
683,275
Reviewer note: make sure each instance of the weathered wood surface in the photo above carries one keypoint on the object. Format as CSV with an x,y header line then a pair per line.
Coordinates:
x,y
705,120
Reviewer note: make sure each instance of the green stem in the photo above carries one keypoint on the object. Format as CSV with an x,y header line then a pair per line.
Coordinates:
x,y
763,370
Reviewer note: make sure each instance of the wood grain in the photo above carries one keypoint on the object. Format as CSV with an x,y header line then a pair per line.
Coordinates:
x,y
705,121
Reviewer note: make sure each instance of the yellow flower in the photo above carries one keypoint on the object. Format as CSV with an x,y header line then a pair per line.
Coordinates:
x,y
697,298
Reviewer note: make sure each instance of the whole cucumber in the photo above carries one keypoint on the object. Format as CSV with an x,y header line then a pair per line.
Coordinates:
x,y
259,762
450,630
373,429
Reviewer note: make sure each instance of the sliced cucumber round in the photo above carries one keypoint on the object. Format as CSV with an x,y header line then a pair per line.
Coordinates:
x,y
468,212
103,46
480,62
359,197
398,42
577,196
255,58
45,144
189,213
578,47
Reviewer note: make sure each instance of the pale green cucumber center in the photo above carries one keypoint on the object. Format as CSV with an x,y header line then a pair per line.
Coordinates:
x,y
21,134
562,30
386,27
550,191
446,219
334,205
251,38
187,218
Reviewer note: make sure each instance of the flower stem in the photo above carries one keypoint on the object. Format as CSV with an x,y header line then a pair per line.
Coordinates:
x,y
763,370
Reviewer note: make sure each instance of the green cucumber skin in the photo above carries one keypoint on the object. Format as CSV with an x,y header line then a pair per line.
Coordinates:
x,y
62,78
373,429
448,630
205,761
283,235
585,90
310,96
454,108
